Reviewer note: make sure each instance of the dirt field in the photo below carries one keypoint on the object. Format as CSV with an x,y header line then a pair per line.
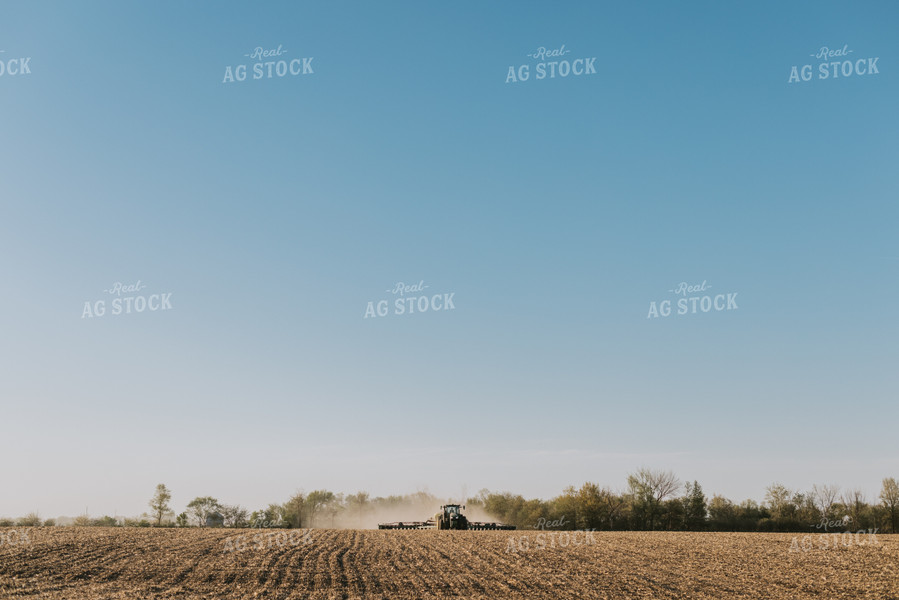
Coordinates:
x,y
72,563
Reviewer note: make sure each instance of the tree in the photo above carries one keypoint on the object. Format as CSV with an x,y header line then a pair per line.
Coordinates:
x,y
273,516
82,520
591,507
694,507
293,510
359,507
750,516
509,509
722,514
823,498
359,503
649,489
778,498
889,496
857,505
315,502
335,508
806,511
671,514
614,504
159,503
790,511
234,515
201,507
567,508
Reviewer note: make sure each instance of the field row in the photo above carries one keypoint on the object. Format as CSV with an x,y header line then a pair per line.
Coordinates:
x,y
72,563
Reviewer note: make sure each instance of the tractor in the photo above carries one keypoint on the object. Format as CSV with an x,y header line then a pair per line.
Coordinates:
x,y
449,517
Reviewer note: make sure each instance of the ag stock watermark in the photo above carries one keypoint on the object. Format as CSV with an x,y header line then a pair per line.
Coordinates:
x,y
688,303
13,67
543,523
836,540
551,63
125,301
267,540
14,538
828,68
263,68
409,298
550,539
845,522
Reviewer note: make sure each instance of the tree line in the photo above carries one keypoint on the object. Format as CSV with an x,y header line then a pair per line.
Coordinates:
x,y
657,500
652,500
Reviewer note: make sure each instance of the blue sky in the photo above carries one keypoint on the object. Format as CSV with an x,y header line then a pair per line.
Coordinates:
x,y
556,210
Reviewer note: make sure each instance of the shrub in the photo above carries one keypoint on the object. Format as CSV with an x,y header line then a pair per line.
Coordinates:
x,y
29,520
137,523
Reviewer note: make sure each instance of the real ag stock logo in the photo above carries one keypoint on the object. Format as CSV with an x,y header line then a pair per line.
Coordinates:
x,y
552,539
11,67
834,69
267,69
126,302
267,540
836,540
552,63
691,304
409,299
14,537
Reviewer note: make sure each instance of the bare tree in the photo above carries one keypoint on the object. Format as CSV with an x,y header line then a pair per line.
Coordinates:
x,y
855,502
665,484
824,497
614,503
650,488
889,496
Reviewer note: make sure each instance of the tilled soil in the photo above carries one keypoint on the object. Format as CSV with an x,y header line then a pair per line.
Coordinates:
x,y
72,563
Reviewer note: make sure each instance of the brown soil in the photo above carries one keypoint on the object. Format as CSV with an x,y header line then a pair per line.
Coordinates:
x,y
91,563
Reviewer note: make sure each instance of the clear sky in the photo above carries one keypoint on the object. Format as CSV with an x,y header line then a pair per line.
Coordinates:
x,y
555,211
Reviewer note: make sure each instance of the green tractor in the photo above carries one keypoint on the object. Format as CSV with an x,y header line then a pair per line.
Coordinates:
x,y
451,517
